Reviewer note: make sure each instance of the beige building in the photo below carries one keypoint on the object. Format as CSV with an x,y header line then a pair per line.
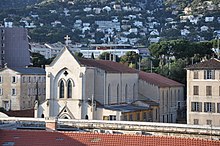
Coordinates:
x,y
20,87
168,93
203,92
102,90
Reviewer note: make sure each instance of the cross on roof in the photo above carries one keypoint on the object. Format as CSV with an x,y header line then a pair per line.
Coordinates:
x,y
67,40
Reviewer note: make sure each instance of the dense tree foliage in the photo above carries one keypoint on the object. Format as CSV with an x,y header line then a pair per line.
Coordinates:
x,y
39,60
173,56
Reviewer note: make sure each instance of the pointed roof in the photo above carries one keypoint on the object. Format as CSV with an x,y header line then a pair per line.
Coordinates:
x,y
60,54
65,111
208,64
158,80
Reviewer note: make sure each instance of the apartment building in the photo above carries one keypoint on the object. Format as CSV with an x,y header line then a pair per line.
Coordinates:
x,y
20,87
203,93
14,47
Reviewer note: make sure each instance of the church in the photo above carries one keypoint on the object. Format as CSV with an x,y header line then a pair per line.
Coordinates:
x,y
107,90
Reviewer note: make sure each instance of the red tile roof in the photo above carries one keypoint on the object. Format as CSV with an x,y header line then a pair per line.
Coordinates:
x,y
114,67
208,64
41,138
109,66
20,113
158,80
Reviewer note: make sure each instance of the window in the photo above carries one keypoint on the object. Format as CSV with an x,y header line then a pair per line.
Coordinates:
x,y
219,90
196,106
209,74
1,79
218,107
196,121
61,89
1,91
133,92
35,79
144,116
209,107
126,93
138,116
69,89
125,118
13,79
208,90
6,105
23,79
109,93
195,90
29,79
13,92
195,75
112,117
118,93
209,122
130,117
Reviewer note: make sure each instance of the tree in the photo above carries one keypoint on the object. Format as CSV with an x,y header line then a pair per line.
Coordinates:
x,y
131,58
78,54
38,60
108,56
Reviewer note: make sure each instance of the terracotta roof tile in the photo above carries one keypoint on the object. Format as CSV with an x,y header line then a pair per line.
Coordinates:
x,y
208,64
114,67
20,113
158,80
40,138
109,66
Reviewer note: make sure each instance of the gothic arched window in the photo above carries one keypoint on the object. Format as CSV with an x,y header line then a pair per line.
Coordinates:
x,y
109,94
126,93
133,92
118,93
61,89
69,89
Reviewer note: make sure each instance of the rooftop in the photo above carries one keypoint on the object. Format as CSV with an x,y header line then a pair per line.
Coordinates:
x,y
36,138
28,70
20,113
108,66
158,80
208,64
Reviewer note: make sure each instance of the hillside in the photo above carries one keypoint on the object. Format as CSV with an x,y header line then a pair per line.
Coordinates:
x,y
137,22
8,4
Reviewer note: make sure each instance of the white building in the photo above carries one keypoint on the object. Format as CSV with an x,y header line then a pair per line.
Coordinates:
x,y
99,89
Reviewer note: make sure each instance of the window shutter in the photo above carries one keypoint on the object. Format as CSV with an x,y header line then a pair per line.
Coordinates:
x,y
213,107
200,106
213,74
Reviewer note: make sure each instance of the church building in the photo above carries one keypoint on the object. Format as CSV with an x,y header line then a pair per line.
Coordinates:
x,y
98,89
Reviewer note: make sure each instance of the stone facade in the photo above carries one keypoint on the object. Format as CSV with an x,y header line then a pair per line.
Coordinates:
x,y
203,91
19,88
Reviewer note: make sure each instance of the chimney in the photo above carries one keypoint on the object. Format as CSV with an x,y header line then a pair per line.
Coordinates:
x,y
51,123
